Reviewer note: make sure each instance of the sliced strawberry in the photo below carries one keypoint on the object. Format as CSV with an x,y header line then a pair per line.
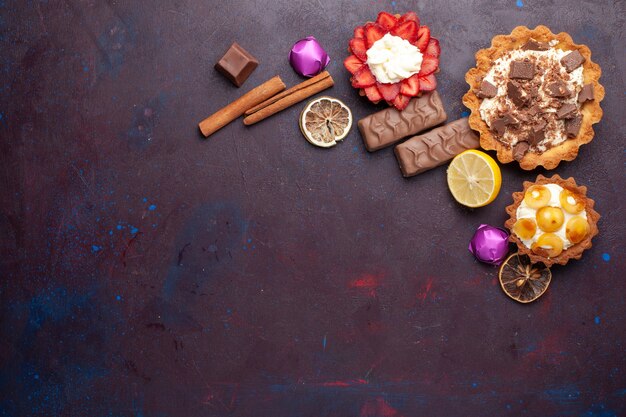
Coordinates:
x,y
428,83
407,30
433,49
359,48
411,86
373,32
359,32
401,101
363,78
429,65
386,20
373,94
389,91
353,64
409,16
423,38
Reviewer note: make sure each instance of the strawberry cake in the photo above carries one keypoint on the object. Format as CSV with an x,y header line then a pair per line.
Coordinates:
x,y
393,59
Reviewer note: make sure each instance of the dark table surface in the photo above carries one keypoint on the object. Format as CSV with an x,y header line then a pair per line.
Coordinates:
x,y
146,271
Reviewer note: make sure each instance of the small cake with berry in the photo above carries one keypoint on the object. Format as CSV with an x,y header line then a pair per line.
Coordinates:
x,y
552,220
393,59
534,96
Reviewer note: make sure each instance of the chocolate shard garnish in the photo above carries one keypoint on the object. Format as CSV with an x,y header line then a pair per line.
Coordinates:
x,y
533,45
586,94
520,149
515,93
533,92
499,125
537,132
509,118
572,61
567,111
522,70
558,88
487,90
572,126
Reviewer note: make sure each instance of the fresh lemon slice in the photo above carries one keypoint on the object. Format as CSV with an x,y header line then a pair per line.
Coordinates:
x,y
325,120
474,178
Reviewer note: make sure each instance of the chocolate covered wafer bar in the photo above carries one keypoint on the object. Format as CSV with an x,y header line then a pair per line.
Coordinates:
x,y
390,125
434,148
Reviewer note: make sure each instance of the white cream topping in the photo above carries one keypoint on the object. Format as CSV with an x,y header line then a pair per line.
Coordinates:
x,y
392,59
498,75
526,212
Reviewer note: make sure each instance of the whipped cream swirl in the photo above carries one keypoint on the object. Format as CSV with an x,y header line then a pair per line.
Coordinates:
x,y
393,59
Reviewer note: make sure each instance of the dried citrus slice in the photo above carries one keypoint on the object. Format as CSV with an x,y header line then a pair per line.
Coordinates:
x,y
523,281
324,121
474,178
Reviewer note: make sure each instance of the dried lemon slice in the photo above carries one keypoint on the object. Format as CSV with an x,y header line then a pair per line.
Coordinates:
x,y
324,121
523,281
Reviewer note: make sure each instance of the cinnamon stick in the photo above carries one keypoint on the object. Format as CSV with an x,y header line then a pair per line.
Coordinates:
x,y
313,80
227,114
288,101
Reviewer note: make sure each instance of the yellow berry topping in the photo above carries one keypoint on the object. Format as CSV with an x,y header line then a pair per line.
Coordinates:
x,y
537,196
576,229
550,219
549,245
525,228
572,203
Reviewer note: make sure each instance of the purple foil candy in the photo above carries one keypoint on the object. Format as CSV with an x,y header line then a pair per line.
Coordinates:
x,y
489,244
307,57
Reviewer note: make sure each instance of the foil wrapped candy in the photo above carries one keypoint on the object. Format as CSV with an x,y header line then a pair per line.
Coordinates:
x,y
307,57
490,244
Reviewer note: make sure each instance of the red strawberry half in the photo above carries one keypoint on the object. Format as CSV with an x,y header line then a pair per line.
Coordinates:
x,y
373,32
423,38
433,49
409,16
410,86
401,101
428,83
359,32
389,91
373,94
363,78
407,30
386,20
429,65
358,47
353,64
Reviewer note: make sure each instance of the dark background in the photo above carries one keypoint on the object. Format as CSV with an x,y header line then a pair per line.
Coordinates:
x,y
146,271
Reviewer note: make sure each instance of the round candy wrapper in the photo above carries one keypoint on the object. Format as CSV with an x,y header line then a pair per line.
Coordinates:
x,y
489,244
307,57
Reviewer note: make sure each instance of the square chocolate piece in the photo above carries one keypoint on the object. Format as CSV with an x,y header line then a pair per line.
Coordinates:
x,y
567,111
237,64
572,60
572,126
558,88
586,94
523,70
487,90
533,45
